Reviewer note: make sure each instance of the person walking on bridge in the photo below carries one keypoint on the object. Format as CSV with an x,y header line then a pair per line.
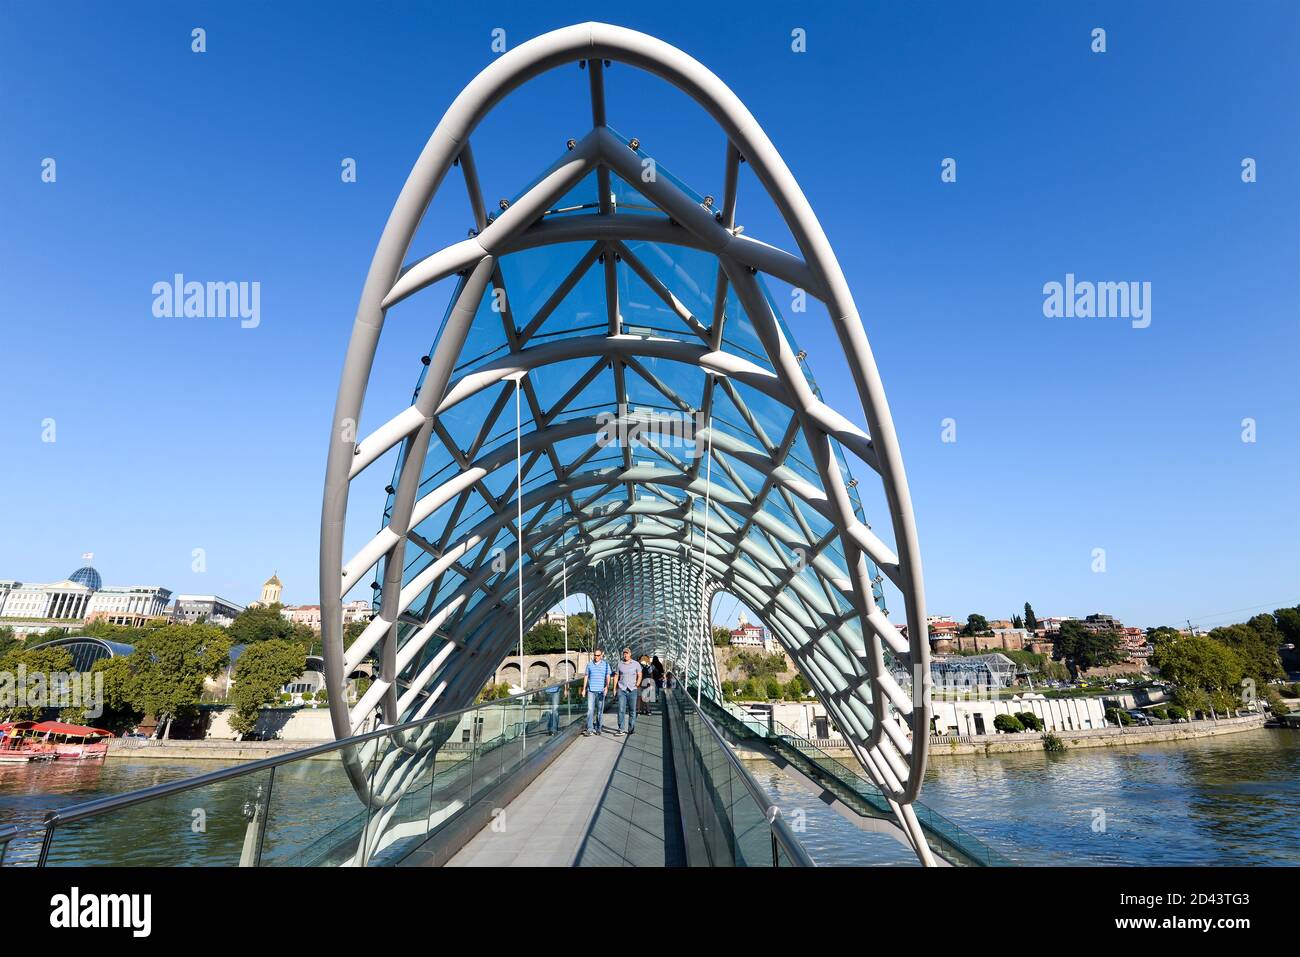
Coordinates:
x,y
595,682
629,683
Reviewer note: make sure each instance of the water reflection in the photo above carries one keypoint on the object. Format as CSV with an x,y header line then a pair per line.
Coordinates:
x,y
828,837
1215,801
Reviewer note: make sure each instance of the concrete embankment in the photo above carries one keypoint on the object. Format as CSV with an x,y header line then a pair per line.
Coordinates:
x,y
137,749
1092,738
953,744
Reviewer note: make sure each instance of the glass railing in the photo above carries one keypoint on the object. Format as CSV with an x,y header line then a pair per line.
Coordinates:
x,y
366,801
737,825
947,839
7,834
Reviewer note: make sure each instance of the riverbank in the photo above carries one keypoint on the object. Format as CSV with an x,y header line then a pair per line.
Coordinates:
x,y
150,749
978,744
966,744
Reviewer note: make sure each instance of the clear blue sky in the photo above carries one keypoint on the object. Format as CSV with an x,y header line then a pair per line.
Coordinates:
x,y
1072,434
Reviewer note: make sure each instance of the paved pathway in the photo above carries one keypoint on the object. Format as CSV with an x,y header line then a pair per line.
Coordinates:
x,y
606,801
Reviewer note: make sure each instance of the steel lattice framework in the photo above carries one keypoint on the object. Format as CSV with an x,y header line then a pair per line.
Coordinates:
x,y
606,301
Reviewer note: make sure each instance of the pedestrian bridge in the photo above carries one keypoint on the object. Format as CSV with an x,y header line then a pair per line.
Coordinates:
x,y
668,445
506,782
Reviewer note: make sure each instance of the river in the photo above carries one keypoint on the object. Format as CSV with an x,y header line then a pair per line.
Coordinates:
x,y
1212,801
1226,800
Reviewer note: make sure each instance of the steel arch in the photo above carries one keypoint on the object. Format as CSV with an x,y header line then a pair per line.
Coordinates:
x,y
437,644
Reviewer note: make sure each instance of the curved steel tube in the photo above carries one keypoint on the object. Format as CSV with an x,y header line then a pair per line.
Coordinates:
x,y
887,727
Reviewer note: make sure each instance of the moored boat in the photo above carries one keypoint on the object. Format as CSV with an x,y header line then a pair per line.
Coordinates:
x,y
18,746
72,741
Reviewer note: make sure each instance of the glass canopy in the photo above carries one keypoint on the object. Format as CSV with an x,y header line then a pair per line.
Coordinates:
x,y
620,480
614,405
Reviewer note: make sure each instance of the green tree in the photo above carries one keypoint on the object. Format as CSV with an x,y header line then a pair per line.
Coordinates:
x,y
1008,724
1198,665
1118,717
1273,699
1082,648
1192,701
8,641
544,639
757,665
261,671
169,667
582,630
492,692
1030,720
120,694
721,636
40,688
976,625
265,623
1256,644
352,632
1161,633
1288,623
796,687
1031,620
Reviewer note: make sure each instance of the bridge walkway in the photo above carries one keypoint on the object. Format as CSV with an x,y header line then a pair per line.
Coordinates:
x,y
607,801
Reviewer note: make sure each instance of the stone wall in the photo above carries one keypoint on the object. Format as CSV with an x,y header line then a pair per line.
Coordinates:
x,y
1095,738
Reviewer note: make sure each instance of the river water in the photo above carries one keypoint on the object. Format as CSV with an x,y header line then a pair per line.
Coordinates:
x,y
1227,800
1213,801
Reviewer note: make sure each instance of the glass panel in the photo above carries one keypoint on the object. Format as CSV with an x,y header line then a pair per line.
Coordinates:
x,y
211,826
316,817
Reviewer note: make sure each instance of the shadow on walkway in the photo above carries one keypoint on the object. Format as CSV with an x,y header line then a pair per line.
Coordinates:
x,y
637,821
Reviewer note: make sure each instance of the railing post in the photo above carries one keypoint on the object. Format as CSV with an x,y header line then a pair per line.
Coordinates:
x,y
255,814
51,819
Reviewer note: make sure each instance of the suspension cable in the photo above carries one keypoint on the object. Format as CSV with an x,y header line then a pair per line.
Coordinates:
x,y
704,567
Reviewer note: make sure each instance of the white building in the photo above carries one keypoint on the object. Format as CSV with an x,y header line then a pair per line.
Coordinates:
x,y
32,608
149,600
308,615
976,715
747,634
64,601
357,611
210,608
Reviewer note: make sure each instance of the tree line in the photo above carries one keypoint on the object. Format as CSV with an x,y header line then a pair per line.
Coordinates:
x,y
165,675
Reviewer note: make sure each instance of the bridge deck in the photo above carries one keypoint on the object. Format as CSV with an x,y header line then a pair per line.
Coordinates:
x,y
605,802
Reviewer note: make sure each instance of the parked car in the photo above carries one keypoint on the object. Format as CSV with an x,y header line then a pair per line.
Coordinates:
x,y
1140,717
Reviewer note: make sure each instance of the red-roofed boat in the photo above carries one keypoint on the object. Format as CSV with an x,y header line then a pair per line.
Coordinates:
x,y
72,741
17,745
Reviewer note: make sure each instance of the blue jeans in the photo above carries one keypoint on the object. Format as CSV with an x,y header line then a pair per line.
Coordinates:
x,y
627,703
596,707
553,710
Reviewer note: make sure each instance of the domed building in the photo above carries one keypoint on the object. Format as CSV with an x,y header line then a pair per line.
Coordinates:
x,y
87,575
32,608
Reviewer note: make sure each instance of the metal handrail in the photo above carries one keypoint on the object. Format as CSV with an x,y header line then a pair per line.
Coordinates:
x,y
966,844
78,811
781,832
